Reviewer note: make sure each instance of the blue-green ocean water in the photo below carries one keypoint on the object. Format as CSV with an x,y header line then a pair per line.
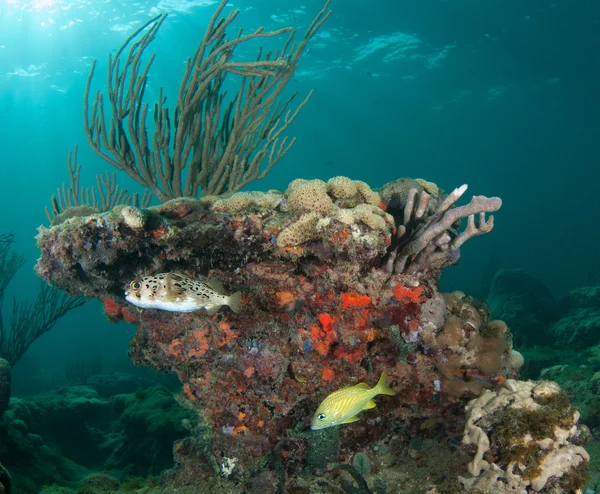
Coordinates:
x,y
503,96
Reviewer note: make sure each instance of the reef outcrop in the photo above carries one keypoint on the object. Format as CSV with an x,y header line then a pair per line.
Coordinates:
x,y
339,283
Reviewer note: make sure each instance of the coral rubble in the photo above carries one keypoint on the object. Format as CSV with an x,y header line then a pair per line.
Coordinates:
x,y
335,290
525,438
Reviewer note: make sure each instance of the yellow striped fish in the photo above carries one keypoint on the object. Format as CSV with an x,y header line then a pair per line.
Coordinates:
x,y
343,406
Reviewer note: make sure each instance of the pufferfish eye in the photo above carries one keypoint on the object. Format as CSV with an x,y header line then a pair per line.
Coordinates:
x,y
135,285
321,416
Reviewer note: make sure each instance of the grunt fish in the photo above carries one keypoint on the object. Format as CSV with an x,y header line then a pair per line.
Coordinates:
x,y
178,293
343,406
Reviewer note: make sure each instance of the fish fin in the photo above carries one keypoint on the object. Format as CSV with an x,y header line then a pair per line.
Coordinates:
x,y
211,310
171,280
369,405
234,301
216,285
361,386
382,388
350,420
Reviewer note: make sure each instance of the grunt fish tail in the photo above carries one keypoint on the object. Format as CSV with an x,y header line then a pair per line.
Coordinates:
x,y
382,388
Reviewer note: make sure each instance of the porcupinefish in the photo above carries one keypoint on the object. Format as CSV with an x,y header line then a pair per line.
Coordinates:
x,y
178,293
343,406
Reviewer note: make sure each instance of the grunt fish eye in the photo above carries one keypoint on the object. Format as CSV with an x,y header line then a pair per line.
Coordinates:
x,y
321,416
135,285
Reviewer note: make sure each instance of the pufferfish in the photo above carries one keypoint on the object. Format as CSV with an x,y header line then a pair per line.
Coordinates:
x,y
178,293
343,406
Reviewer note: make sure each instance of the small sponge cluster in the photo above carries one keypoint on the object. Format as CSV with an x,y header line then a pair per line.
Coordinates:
x,y
241,201
318,200
133,217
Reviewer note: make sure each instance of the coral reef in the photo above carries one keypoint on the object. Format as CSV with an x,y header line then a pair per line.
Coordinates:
x,y
98,483
578,374
525,438
579,324
118,383
4,385
335,291
57,437
149,422
524,303
5,481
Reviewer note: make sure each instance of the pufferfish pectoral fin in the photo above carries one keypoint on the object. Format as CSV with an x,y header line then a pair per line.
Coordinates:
x,y
211,310
350,420
172,283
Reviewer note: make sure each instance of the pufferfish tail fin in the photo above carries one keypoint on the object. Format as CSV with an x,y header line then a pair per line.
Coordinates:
x,y
234,301
382,388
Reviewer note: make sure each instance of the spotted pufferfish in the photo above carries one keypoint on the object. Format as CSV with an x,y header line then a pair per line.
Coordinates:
x,y
178,293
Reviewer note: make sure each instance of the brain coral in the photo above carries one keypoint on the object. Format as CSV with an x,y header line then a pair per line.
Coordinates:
x,y
310,195
348,201
316,196
246,200
303,230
